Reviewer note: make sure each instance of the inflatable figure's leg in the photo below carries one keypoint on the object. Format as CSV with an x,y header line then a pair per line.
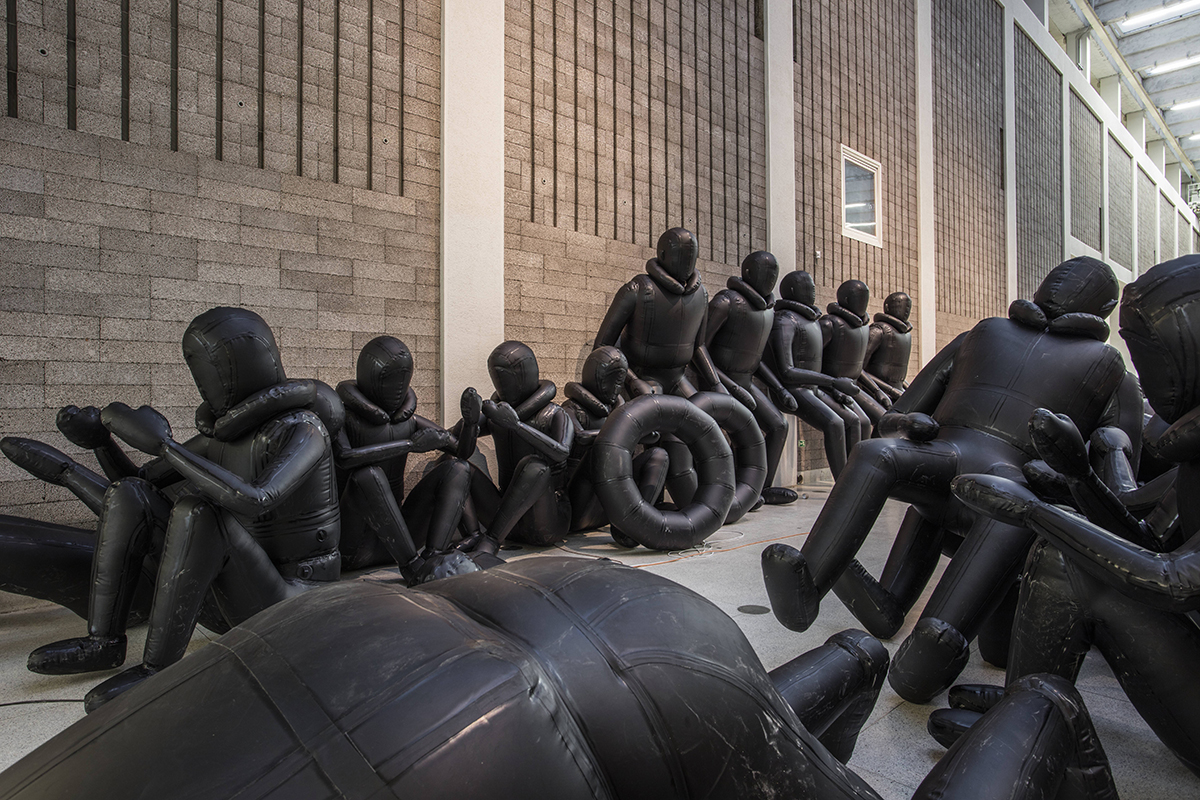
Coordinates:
x,y
682,481
865,426
435,505
373,529
818,413
877,469
852,424
650,473
1037,743
586,512
881,605
530,480
52,466
973,586
774,429
133,516
871,407
833,688
204,548
1153,653
996,634
47,561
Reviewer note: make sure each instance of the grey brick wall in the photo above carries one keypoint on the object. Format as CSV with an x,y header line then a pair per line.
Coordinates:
x,y
1086,173
1147,229
1120,204
1039,164
1166,232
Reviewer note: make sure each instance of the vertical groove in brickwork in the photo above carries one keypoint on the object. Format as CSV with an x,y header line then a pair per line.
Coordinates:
x,y
72,66
1086,173
11,42
370,93
1120,204
220,99
337,74
1039,164
403,92
260,142
125,70
300,88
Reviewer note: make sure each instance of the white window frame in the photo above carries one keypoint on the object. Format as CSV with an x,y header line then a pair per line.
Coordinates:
x,y
874,167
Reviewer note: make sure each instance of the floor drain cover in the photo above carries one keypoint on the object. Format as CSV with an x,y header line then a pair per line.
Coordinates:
x,y
754,609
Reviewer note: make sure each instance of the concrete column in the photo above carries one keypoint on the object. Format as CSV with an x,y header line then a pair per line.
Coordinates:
x,y
926,186
1174,173
472,238
781,173
1135,123
1110,91
1157,150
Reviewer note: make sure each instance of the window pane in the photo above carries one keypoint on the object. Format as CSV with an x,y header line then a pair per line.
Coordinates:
x,y
860,199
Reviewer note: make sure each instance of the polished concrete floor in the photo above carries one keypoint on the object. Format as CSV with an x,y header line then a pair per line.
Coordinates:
x,y
894,752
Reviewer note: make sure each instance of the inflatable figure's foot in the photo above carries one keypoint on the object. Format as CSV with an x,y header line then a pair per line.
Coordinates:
x,y
977,697
757,504
38,459
794,599
480,543
779,496
620,538
928,661
444,565
874,606
116,685
947,725
73,656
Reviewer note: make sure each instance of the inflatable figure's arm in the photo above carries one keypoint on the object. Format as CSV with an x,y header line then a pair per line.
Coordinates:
x,y
1169,581
555,447
470,405
883,392
782,396
1124,411
926,390
620,311
874,339
426,437
82,427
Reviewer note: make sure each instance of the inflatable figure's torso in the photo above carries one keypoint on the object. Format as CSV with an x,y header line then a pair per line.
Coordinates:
x,y
511,448
803,330
737,348
889,362
843,356
661,334
363,432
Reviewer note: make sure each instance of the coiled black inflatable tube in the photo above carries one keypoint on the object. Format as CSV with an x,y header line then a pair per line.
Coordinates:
x,y
749,449
612,452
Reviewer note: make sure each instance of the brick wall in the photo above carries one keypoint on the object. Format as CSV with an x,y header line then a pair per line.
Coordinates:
x,y
1166,228
969,164
1039,179
108,247
1086,175
1147,230
1120,204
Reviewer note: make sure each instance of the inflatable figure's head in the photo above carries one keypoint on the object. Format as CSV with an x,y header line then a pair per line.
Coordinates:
x,y
678,250
799,287
1080,285
385,370
232,354
898,305
760,270
1160,322
853,296
514,371
604,373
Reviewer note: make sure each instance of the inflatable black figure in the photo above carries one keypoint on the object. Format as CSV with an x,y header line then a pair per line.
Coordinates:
x,y
792,367
889,347
1111,585
258,523
965,412
847,336
589,402
739,324
533,438
382,428
559,678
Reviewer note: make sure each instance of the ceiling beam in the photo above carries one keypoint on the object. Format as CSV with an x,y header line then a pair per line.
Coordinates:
x,y
1174,87
1113,10
1168,48
1159,36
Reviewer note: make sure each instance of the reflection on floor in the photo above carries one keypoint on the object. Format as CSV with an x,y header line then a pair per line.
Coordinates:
x,y
894,752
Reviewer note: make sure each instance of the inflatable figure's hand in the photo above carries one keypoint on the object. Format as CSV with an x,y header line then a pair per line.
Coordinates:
x,y
786,401
999,498
428,439
142,428
639,387
847,386
1048,484
471,406
1059,443
742,396
918,427
502,415
841,397
650,438
82,427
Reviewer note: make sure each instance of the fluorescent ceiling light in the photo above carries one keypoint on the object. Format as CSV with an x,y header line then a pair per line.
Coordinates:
x,y
1195,138
1171,66
1185,106
1144,20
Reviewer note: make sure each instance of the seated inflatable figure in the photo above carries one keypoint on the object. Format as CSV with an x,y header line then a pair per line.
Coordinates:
x,y
739,323
382,428
1110,581
965,412
533,438
550,677
658,321
589,402
792,367
889,346
847,334
259,521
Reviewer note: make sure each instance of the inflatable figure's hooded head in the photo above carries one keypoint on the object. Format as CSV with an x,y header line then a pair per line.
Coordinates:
x,y
514,372
760,270
898,305
604,373
232,354
1160,322
384,373
1080,285
853,296
799,287
678,250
